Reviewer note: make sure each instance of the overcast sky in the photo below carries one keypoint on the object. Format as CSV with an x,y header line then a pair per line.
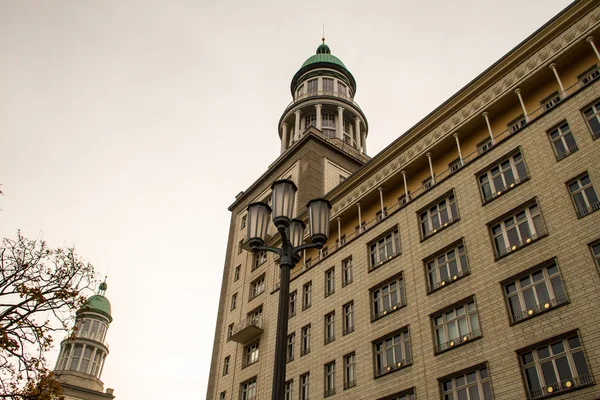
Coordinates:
x,y
127,128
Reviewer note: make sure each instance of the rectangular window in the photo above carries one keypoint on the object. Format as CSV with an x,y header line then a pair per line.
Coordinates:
x,y
240,244
226,366
342,89
438,216
289,387
473,384
583,195
349,371
305,345
308,263
592,116
328,85
243,224
388,297
229,331
538,291
456,326
257,286
234,301
312,87
589,76
299,91
551,101
517,230
258,259
484,146
379,215
392,352
310,120
347,271
330,327
557,366
324,252
251,354
254,317
248,390
502,176
348,311
290,347
236,273
222,395
563,141
328,120
329,379
595,248
404,395
307,295
304,386
329,281
384,249
517,123
293,301
446,267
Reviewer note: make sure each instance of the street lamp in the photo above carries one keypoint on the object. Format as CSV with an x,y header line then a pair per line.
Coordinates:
x,y
292,234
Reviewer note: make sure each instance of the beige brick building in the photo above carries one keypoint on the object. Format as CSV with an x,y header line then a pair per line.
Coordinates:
x,y
463,259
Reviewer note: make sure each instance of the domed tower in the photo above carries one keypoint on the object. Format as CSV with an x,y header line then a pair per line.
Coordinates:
x,y
323,93
83,353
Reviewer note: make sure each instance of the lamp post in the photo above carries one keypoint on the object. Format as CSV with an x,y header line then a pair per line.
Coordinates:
x,y
292,234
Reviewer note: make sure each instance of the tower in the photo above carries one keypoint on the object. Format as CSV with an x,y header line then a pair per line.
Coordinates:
x,y
83,353
323,93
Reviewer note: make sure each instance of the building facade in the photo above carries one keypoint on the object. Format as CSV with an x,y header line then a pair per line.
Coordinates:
x,y
463,259
83,353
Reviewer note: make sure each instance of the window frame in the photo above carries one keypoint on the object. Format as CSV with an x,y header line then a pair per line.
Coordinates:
x,y
257,289
406,394
406,352
329,381
462,270
348,320
329,327
249,392
379,245
347,272
479,382
595,108
463,338
400,290
306,295
290,347
568,150
305,333
349,370
488,173
233,301
583,191
293,303
226,361
304,386
595,256
329,281
289,389
251,353
258,259
236,273
426,216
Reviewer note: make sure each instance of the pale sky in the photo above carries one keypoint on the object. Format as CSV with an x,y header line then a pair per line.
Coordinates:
x,y
128,127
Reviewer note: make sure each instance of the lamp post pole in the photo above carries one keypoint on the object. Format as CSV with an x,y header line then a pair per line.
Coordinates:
x,y
292,235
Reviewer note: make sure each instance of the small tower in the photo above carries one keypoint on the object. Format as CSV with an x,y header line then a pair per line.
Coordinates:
x,y
323,93
83,353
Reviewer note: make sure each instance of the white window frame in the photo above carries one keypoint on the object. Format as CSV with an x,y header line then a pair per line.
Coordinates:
x,y
348,317
347,273
461,385
328,82
257,286
384,248
349,370
291,339
500,229
501,176
329,325
388,297
293,303
251,353
440,270
330,281
306,295
386,361
305,339
248,389
464,318
438,216
329,379
312,87
586,193
590,113
305,386
563,130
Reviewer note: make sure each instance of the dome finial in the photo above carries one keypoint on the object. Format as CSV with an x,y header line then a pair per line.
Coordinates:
x,y
323,38
102,287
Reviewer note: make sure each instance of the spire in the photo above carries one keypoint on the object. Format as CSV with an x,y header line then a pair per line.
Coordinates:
x,y
323,38
102,287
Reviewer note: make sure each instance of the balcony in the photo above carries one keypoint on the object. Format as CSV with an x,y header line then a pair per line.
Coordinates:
x,y
247,330
563,386
315,93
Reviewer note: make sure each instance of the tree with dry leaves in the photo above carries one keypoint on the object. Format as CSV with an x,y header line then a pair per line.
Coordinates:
x,y
41,288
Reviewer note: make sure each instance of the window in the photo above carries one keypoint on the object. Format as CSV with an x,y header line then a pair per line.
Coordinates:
x,y
229,331
290,347
379,215
236,273
592,116
584,196
517,123
551,100
312,87
305,345
384,249
226,366
258,259
404,395
330,327
456,326
306,295
254,317
455,165
538,291
473,384
243,224
517,230
304,386
289,386
342,89
563,141
248,390
240,244
447,267
502,176
484,146
595,247
310,120
329,281
299,91
349,371
347,271
234,301
328,120
324,252
293,300
329,379
222,395
392,352
428,183
589,75
257,286
251,354
348,310
328,85
555,367
438,216
308,263
388,297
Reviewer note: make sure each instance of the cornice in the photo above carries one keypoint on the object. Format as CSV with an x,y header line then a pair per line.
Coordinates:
x,y
427,133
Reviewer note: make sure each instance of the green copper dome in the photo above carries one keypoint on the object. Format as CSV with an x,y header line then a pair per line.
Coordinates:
x,y
323,56
98,303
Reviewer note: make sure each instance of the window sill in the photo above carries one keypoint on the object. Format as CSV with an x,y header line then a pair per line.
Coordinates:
x,y
348,331
304,308
289,360
539,310
329,393
560,388
596,135
390,258
291,316
344,284
567,153
329,340
591,209
385,313
449,281
329,294
458,342
391,369
349,385
529,241
441,228
500,193
305,352
249,365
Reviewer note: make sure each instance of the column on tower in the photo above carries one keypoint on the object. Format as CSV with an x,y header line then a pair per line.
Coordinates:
x,y
357,133
297,114
340,124
284,137
319,108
